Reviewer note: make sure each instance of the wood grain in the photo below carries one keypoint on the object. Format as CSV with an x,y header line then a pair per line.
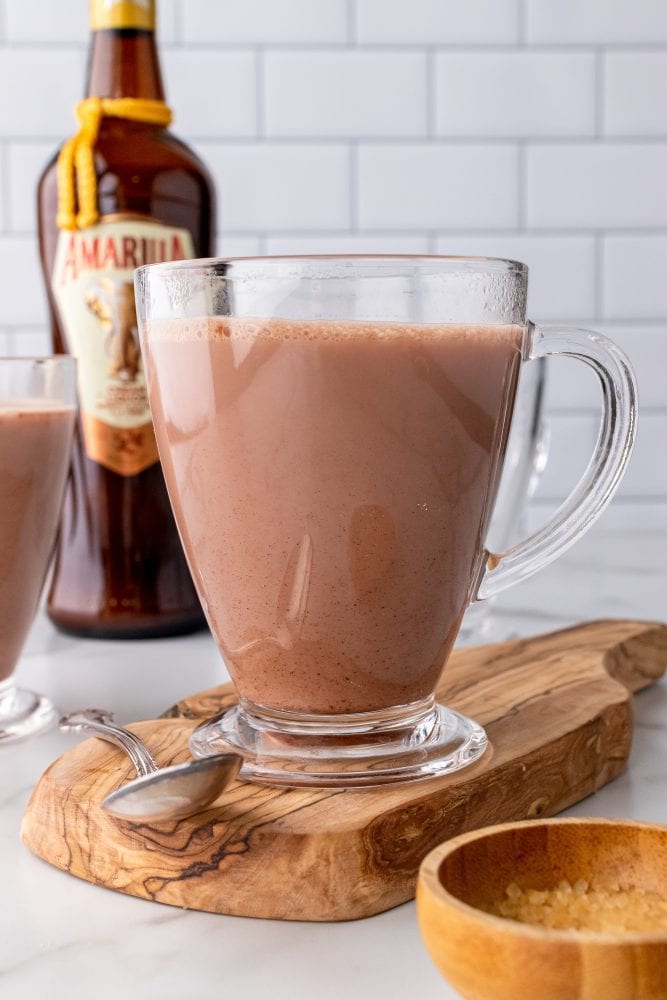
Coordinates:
x,y
558,712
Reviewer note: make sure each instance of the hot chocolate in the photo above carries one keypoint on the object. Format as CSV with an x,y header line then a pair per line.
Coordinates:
x,y
35,438
332,483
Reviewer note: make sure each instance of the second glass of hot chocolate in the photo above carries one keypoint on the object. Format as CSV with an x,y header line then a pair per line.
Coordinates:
x,y
332,432
37,417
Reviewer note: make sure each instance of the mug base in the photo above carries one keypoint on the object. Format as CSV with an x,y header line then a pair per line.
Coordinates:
x,y
23,713
417,741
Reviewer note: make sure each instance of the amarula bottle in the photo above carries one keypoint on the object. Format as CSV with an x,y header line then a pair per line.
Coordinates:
x,y
121,193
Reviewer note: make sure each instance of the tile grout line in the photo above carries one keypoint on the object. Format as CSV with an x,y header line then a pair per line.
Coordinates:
x,y
629,500
521,185
522,16
3,21
179,24
476,232
463,47
400,141
629,323
599,275
575,142
353,179
351,22
600,84
431,97
5,195
260,107
620,499
573,412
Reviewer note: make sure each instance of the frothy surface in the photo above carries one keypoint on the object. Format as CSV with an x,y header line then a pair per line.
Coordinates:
x,y
18,409
221,328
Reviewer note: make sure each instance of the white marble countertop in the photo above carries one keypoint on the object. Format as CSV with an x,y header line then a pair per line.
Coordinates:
x,y
64,938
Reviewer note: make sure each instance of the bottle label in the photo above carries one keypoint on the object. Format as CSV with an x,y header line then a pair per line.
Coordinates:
x,y
93,287
122,14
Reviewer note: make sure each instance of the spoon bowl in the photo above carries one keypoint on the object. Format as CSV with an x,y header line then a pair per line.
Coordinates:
x,y
157,794
171,792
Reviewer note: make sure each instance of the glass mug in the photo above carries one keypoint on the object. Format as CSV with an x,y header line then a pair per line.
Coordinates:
x,y
332,433
525,460
37,414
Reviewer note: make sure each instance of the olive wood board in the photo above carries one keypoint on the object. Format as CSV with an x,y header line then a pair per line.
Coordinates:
x,y
558,711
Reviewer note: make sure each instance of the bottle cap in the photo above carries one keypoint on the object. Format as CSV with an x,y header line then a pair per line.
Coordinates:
x,y
122,14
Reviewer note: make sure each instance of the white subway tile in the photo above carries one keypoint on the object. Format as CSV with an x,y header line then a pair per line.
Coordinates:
x,y
647,469
597,185
212,93
67,21
572,385
39,89
264,22
437,186
635,94
561,281
358,94
167,22
646,350
4,187
622,515
515,93
436,22
46,21
7,343
31,340
334,243
19,264
235,245
646,347
634,282
26,162
596,22
642,516
538,514
292,186
571,445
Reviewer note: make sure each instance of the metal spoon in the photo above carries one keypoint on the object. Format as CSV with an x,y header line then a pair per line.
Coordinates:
x,y
166,793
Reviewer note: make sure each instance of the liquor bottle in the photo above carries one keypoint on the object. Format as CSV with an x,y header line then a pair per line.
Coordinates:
x,y
122,192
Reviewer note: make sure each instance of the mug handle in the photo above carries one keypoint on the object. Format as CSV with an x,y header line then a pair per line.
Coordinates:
x,y
605,469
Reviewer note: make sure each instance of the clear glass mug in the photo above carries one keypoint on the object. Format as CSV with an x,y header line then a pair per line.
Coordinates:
x,y
37,416
525,460
332,433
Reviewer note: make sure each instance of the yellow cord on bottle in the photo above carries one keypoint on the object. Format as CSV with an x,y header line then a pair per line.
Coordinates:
x,y
76,161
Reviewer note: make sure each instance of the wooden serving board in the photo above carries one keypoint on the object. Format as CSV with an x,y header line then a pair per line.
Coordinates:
x,y
558,712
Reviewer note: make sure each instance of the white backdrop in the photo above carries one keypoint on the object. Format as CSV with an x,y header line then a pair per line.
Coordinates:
x,y
535,129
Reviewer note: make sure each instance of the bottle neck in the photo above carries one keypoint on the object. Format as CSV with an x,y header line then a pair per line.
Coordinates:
x,y
123,62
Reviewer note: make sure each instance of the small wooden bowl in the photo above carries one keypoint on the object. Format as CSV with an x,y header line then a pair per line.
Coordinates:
x,y
492,958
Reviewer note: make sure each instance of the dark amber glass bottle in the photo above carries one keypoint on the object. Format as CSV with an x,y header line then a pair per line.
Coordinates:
x,y
120,570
